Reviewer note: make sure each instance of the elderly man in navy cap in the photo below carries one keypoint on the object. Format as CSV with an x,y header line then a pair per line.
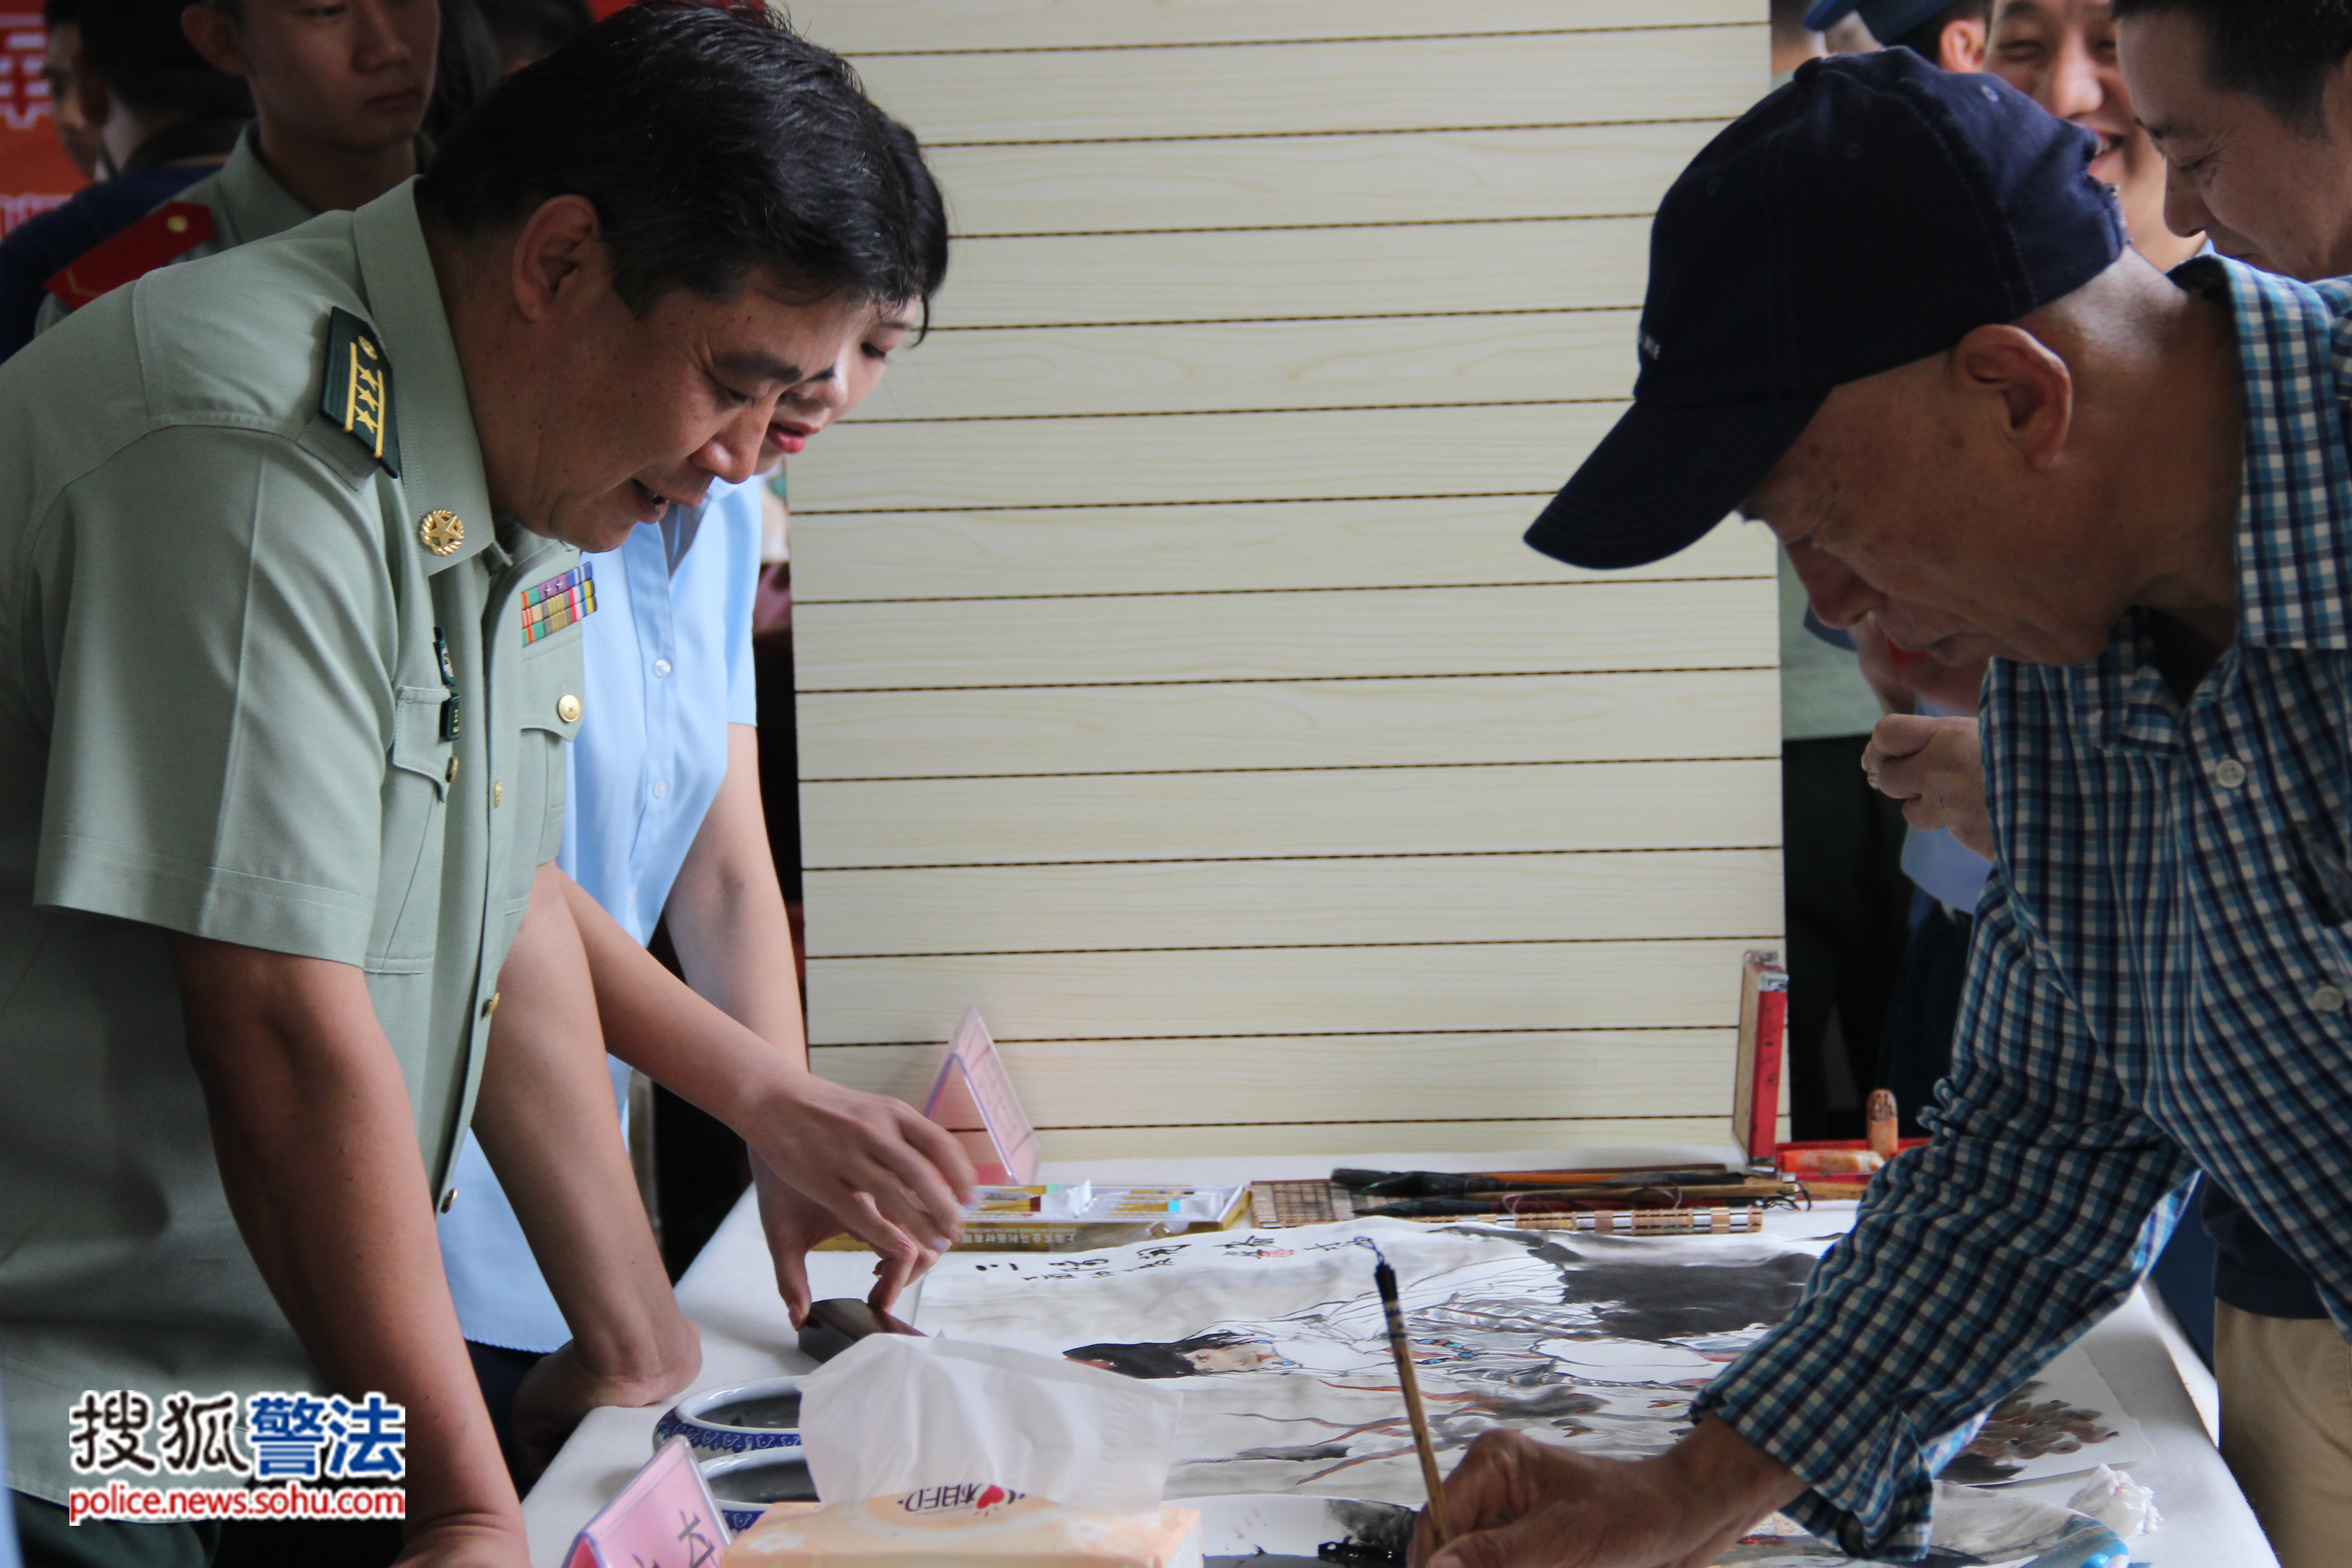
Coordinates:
x,y
1967,408
1947,33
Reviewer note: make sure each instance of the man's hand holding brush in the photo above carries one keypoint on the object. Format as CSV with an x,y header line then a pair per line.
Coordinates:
x,y
1517,1503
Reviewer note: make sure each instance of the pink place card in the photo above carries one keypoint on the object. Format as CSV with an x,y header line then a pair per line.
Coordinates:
x,y
972,1097
664,1518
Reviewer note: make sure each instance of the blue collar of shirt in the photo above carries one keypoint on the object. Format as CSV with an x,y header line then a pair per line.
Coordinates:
x,y
2295,345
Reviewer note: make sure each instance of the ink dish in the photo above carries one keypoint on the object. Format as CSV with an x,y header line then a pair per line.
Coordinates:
x,y
746,1486
736,1418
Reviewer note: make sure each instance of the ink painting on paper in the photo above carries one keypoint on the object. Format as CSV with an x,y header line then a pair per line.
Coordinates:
x,y
1597,1343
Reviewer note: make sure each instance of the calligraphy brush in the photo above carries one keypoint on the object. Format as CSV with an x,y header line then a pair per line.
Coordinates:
x,y
1441,1524
1576,1200
1453,1185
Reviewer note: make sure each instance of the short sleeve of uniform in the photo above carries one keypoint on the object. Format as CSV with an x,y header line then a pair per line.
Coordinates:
x,y
214,609
736,515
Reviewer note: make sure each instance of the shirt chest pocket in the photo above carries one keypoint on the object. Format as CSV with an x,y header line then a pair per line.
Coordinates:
x,y
550,714
408,874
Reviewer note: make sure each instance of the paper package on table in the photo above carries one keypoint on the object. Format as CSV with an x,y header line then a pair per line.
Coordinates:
x,y
932,1453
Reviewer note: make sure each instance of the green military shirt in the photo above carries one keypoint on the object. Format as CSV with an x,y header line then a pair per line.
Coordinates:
x,y
225,709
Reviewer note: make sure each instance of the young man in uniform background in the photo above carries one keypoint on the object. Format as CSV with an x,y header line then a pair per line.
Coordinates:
x,y
338,94
160,117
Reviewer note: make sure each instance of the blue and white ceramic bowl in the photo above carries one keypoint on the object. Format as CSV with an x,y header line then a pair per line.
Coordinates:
x,y
746,1486
738,1418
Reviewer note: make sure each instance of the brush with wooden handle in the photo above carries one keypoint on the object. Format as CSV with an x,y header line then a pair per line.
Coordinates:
x,y
1441,1526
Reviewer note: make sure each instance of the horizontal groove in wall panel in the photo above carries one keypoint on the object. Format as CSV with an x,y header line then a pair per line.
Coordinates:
x,y
1604,1140
1401,84
1098,1083
1304,724
1514,449
1408,362
1269,903
1283,991
1278,637
901,27
1404,271
1400,811
1572,171
1232,548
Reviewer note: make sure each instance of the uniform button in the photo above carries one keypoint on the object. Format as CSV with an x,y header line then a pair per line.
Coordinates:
x,y
567,708
2328,999
491,1007
498,792
661,789
448,1200
450,775
661,666
2230,775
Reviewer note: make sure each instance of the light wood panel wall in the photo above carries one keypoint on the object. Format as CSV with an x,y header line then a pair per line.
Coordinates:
x,y
1174,684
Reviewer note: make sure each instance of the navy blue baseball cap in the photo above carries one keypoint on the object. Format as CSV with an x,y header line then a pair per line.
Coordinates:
x,y
1872,211
1886,19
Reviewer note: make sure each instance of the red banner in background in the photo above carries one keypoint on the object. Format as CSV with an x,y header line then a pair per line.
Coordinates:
x,y
35,173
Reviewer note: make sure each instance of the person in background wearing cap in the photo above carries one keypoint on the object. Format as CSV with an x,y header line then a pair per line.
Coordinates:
x,y
160,118
1947,33
1968,410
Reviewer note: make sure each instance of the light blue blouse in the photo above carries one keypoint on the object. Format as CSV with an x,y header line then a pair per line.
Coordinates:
x,y
668,656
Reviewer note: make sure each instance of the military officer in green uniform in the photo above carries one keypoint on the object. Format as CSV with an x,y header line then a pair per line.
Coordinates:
x,y
280,758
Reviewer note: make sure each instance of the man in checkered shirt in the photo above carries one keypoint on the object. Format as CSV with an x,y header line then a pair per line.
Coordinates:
x,y
1892,316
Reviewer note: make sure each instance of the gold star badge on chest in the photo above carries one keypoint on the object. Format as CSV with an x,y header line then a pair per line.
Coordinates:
x,y
442,532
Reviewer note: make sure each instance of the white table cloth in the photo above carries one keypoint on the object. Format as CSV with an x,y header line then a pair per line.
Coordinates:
x,y
731,1293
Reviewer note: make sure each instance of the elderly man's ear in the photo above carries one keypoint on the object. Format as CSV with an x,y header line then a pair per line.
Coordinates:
x,y
2021,386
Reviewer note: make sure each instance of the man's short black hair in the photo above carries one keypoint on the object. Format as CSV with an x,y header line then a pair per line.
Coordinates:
x,y
529,30
2278,51
137,48
1926,40
713,143
61,13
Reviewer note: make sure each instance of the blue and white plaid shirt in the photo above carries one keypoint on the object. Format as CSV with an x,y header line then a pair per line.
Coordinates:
x,y
2158,985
